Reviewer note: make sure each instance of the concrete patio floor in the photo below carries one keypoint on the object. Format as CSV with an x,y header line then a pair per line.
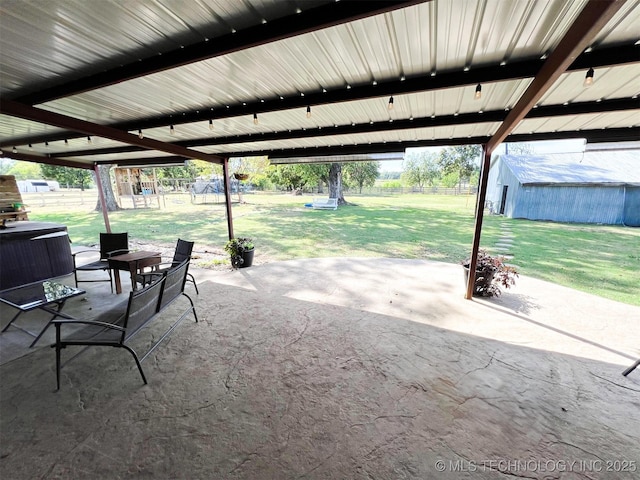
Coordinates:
x,y
336,368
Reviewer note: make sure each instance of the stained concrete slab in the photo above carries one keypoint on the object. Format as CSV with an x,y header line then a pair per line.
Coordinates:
x,y
342,369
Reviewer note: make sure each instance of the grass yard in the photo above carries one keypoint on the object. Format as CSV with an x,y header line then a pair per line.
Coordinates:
x,y
603,260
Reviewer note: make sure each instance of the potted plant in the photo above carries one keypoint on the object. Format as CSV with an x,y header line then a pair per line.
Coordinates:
x,y
491,274
241,251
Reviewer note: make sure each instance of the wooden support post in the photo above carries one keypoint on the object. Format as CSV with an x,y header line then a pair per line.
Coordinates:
x,y
103,202
132,191
156,188
227,196
482,194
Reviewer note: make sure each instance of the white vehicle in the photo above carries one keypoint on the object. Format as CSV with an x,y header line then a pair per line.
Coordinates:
x,y
34,186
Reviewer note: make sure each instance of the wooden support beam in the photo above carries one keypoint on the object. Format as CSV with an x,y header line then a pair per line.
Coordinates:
x,y
58,162
611,105
482,195
15,109
227,196
603,57
308,20
593,17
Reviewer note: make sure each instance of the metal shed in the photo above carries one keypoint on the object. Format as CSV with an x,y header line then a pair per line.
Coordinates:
x,y
588,187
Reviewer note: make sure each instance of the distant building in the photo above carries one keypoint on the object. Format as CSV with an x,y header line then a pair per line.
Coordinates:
x,y
587,187
32,186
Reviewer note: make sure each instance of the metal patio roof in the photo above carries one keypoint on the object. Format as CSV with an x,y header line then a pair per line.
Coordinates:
x,y
317,74
602,168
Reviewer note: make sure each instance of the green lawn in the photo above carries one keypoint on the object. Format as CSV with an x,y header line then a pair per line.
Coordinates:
x,y
603,260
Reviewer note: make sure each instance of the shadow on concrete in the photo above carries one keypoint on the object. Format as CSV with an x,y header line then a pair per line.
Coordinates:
x,y
305,371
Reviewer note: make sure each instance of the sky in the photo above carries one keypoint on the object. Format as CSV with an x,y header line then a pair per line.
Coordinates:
x,y
548,146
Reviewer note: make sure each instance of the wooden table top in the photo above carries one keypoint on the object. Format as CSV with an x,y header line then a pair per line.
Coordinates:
x,y
132,256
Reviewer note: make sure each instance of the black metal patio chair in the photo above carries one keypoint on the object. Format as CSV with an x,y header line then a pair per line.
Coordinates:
x,y
111,244
182,252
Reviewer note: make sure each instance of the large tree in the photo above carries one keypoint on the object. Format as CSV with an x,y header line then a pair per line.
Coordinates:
x,y
24,170
297,176
289,177
461,159
67,176
186,172
316,174
109,196
331,174
421,169
249,165
335,183
362,173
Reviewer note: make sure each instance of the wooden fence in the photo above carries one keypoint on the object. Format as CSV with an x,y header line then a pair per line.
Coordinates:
x,y
61,198
88,198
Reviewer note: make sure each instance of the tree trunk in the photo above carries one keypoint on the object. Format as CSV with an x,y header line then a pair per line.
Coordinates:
x,y
335,183
110,198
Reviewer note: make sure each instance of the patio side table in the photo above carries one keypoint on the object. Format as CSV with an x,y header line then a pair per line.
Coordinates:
x,y
132,263
38,295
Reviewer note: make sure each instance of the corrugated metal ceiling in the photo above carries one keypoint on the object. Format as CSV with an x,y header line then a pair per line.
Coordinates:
x,y
575,168
44,44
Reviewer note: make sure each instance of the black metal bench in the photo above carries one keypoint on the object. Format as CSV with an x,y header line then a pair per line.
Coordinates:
x,y
631,368
114,328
